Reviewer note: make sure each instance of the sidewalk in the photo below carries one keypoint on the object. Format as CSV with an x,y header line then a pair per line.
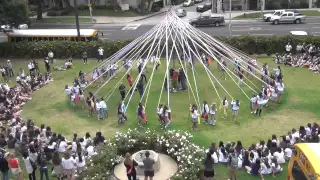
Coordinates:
x,y
112,20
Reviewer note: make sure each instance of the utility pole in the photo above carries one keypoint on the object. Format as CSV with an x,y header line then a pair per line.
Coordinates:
x,y
230,30
77,17
90,10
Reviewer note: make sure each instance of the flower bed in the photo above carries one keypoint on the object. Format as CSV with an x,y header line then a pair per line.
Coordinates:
x,y
176,144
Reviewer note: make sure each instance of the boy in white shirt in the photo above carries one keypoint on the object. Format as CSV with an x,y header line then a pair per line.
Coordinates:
x,y
103,109
100,51
98,107
287,153
288,48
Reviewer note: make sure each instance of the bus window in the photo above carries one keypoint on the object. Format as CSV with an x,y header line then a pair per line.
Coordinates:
x,y
297,173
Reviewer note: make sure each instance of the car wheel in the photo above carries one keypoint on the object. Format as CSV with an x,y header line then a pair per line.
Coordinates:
x,y
297,21
276,22
216,24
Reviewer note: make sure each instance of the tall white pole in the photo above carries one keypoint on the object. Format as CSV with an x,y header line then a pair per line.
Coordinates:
x,y
230,30
91,19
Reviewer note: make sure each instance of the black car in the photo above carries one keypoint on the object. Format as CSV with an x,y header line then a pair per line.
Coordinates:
x,y
204,7
207,20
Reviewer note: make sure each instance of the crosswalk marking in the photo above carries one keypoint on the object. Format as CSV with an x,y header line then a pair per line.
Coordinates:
x,y
131,27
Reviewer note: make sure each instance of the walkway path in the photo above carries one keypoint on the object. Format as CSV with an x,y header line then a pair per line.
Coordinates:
x,y
168,167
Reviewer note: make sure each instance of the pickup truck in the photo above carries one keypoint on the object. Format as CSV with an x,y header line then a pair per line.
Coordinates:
x,y
288,17
267,17
207,20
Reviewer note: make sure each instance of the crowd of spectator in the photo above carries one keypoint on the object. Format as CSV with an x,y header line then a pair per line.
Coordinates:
x,y
41,148
263,158
307,55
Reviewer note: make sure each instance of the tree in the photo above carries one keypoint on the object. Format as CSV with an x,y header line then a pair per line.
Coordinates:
x,y
39,10
14,11
317,3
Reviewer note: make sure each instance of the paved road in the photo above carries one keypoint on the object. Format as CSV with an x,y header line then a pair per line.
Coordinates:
x,y
134,30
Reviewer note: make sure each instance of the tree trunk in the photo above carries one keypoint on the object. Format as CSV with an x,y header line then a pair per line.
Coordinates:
x,y
39,10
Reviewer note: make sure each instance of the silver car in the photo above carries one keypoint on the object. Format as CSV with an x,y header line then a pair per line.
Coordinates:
x,y
181,12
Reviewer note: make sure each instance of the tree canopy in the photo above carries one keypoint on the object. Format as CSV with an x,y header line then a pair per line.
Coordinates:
x,y
14,11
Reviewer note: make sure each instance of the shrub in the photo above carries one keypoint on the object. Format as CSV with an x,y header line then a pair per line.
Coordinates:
x,y
62,12
248,44
176,144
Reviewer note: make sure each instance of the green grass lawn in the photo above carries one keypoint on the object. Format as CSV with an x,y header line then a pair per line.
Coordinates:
x,y
49,106
106,12
260,15
62,20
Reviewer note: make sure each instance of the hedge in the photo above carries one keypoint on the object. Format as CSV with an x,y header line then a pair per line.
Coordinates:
x,y
63,49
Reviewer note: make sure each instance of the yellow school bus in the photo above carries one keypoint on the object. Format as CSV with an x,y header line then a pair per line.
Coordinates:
x,y
305,162
52,35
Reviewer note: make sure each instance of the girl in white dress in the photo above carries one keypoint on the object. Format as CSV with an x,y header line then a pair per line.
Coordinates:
x,y
253,102
260,103
280,87
274,95
235,108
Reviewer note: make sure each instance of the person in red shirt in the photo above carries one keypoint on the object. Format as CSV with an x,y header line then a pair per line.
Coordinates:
x,y
14,166
175,80
129,78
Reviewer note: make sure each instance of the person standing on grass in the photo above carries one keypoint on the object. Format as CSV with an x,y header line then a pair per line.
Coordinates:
x,y
30,166
68,165
280,88
14,166
36,67
213,114
4,167
233,164
122,89
288,48
4,74
10,69
85,57
103,109
57,167
224,106
100,52
50,56
205,111
120,114
47,64
209,167
194,116
235,108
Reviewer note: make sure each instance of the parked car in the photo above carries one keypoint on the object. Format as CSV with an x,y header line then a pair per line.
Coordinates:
x,y
188,3
208,20
181,12
267,17
298,33
9,27
203,8
288,17
198,1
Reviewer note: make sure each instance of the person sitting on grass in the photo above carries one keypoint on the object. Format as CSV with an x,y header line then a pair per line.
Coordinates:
x,y
68,64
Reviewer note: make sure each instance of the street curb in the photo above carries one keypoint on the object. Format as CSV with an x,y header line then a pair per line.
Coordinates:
x,y
155,14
